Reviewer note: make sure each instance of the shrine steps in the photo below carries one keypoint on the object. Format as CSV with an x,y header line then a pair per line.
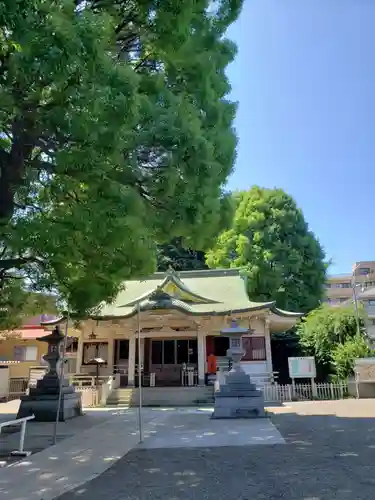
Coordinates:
x,y
162,396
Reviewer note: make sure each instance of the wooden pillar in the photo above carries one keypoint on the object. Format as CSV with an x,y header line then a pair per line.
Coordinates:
x,y
110,360
267,338
142,356
131,362
201,341
79,353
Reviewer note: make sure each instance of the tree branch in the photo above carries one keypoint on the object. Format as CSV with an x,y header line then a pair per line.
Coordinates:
x,y
17,262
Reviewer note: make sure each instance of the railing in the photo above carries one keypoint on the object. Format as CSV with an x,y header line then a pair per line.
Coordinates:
x,y
189,377
87,380
148,379
121,369
23,421
17,387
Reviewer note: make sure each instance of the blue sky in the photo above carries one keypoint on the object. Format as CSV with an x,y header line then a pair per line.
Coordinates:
x,y
304,77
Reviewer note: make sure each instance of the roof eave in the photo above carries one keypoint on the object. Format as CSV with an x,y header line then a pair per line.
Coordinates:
x,y
286,314
53,322
187,310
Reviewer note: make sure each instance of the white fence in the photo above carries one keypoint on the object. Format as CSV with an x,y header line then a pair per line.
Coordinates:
x,y
277,393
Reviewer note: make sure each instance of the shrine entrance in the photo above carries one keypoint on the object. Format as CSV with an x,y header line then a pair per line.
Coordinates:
x,y
167,358
121,360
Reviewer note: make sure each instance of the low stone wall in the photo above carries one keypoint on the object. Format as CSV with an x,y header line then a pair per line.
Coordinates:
x,y
365,389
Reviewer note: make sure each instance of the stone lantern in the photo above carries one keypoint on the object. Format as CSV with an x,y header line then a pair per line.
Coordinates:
x,y
42,401
238,397
235,351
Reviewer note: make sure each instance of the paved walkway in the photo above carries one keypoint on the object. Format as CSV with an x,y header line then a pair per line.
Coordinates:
x,y
190,428
39,435
329,455
73,461
318,451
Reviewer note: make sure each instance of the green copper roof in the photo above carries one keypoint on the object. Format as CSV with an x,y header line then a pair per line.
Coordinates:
x,y
207,292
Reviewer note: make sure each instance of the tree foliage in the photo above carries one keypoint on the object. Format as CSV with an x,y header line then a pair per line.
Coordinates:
x,y
175,255
344,356
116,132
271,241
181,256
330,334
18,304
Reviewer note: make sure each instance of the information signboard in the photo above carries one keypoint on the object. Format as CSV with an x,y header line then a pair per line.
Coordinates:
x,y
302,367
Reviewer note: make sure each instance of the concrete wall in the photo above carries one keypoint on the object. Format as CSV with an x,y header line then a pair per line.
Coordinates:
x,y
365,389
4,382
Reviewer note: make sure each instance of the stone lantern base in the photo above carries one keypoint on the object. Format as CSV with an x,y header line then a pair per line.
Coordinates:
x,y
238,398
43,403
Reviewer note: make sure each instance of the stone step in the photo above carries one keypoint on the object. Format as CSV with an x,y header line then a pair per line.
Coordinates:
x,y
163,396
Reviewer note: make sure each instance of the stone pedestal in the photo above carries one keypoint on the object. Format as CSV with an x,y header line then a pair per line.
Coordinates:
x,y
44,404
238,397
43,400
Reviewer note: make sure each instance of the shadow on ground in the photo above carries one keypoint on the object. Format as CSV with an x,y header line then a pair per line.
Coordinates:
x,y
325,457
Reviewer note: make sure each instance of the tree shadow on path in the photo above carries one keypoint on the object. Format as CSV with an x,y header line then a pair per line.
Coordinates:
x,y
325,457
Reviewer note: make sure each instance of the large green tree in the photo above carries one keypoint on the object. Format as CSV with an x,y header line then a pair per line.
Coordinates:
x,y
181,255
116,132
331,335
279,254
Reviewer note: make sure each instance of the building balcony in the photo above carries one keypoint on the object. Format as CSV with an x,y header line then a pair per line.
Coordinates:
x,y
370,310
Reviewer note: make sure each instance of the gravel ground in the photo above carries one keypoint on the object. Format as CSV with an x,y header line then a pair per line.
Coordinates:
x,y
329,454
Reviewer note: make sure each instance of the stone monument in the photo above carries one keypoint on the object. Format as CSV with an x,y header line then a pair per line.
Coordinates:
x,y
238,397
43,400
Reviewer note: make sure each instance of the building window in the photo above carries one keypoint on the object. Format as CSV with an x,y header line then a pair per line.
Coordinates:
x,y
25,353
173,351
255,348
328,285
92,350
371,302
364,270
372,321
72,345
342,285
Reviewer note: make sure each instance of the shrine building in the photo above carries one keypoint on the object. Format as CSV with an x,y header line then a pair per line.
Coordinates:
x,y
179,316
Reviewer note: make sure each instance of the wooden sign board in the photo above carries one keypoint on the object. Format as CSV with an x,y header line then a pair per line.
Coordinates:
x,y
302,367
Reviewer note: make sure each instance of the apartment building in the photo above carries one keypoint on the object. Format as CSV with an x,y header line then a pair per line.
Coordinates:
x,y
339,289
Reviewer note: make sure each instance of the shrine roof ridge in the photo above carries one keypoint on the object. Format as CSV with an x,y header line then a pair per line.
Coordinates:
x,y
196,273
